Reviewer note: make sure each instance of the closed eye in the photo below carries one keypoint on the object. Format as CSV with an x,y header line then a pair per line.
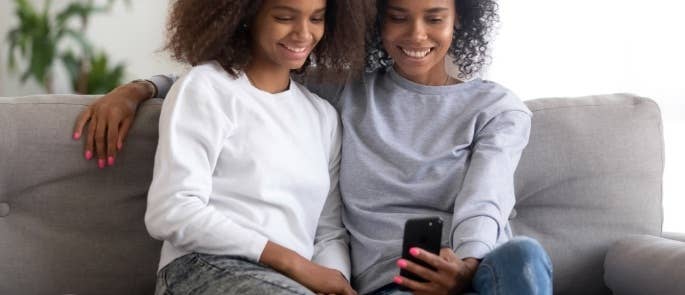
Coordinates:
x,y
396,18
283,18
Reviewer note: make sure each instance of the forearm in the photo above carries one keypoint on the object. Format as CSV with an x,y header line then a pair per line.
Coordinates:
x,y
487,195
280,258
311,275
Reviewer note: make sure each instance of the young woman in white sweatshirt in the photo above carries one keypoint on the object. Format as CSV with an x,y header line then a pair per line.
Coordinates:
x,y
247,158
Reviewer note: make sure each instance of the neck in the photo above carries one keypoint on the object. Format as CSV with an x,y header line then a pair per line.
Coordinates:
x,y
269,79
437,76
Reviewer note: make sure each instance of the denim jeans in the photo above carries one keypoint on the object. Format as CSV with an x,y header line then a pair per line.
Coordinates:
x,y
520,266
211,274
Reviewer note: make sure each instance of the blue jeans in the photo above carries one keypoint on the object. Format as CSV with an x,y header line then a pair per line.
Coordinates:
x,y
211,274
520,266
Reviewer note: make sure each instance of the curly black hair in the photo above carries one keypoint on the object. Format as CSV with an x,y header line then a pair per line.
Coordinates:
x,y
202,31
470,39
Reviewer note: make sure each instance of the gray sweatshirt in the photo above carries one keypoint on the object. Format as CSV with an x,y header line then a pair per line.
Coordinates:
x,y
411,150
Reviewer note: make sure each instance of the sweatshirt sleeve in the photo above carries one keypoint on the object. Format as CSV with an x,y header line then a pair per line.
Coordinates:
x,y
193,126
163,84
331,243
487,195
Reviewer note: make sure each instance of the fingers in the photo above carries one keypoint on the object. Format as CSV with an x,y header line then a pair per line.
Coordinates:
x,y
416,287
447,268
81,121
123,132
112,138
433,260
100,142
425,273
90,139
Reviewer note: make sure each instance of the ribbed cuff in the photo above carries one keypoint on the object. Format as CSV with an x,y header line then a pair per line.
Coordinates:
x,y
162,83
256,247
476,250
475,237
335,256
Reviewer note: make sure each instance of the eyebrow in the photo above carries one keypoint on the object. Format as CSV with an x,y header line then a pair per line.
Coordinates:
x,y
288,8
429,10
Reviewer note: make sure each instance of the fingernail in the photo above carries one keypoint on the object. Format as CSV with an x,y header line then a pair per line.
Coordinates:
x,y
402,263
414,251
397,280
89,155
118,146
101,163
110,161
77,135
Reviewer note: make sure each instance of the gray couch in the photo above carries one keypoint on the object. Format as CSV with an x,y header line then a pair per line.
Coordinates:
x,y
588,186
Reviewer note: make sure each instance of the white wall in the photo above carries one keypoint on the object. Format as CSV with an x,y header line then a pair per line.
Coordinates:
x,y
571,48
5,13
133,34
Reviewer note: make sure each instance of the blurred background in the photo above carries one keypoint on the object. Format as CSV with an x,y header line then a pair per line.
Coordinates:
x,y
543,48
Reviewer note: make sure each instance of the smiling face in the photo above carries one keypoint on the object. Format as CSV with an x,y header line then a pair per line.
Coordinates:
x,y
285,32
417,35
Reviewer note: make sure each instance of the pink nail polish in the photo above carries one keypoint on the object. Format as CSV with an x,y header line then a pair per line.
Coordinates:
x,y
89,155
101,163
77,135
119,146
397,280
402,263
110,161
414,251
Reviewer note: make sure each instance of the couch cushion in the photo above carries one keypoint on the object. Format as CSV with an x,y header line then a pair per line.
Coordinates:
x,y
590,176
643,264
69,227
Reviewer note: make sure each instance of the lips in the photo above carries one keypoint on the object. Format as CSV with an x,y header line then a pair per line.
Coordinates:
x,y
296,49
295,52
416,52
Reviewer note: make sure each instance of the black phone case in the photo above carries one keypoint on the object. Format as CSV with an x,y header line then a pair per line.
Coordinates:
x,y
425,233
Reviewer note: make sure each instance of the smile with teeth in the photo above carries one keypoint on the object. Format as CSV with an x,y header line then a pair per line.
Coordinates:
x,y
295,49
416,53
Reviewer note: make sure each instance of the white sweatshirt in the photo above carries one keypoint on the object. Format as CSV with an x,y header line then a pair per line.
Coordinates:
x,y
237,167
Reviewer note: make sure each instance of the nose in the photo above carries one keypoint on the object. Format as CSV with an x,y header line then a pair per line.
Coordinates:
x,y
302,31
418,31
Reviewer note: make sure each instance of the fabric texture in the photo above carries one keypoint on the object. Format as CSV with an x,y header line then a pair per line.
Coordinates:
x,y
644,264
236,167
519,266
204,274
591,176
72,228
412,151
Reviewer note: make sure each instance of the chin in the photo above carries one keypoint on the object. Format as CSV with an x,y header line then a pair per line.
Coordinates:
x,y
413,70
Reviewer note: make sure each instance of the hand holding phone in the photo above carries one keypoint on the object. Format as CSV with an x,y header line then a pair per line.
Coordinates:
x,y
424,233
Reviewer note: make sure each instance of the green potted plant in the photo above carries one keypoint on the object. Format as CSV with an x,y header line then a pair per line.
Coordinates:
x,y
40,40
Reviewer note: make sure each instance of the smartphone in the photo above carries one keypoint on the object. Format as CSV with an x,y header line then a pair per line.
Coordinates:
x,y
425,233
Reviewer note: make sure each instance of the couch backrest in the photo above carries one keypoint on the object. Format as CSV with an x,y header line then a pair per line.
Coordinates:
x,y
590,175
70,228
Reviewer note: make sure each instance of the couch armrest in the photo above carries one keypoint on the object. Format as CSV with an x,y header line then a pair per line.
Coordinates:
x,y
674,236
644,264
